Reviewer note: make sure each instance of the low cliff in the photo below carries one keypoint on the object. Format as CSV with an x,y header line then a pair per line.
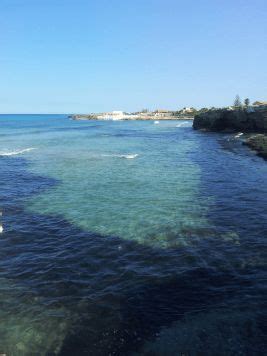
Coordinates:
x,y
232,120
258,143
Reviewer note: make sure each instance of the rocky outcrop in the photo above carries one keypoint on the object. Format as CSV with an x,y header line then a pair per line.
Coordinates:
x,y
258,143
232,120
83,117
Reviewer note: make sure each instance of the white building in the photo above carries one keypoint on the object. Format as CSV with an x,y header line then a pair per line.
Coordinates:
x,y
116,115
260,105
161,113
187,110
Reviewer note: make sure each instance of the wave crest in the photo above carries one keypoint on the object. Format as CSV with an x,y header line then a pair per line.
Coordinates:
x,y
127,156
16,152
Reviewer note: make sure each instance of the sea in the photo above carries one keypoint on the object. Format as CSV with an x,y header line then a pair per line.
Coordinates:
x,y
130,238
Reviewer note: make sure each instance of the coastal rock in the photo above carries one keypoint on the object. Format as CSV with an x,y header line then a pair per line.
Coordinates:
x,y
258,143
232,120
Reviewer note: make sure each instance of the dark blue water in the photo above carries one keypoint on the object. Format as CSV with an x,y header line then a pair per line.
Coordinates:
x,y
190,283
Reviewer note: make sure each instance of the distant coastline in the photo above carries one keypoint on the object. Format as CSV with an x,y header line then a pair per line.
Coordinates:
x,y
184,114
89,117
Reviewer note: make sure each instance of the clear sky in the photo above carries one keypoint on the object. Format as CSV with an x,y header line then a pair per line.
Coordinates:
x,y
66,56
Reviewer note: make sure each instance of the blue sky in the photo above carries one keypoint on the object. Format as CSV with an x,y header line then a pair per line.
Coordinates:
x,y
66,56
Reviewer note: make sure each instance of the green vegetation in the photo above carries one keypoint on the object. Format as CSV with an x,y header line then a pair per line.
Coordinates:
x,y
246,102
237,102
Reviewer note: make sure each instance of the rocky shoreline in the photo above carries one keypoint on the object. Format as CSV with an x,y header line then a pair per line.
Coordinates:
x,y
252,121
258,143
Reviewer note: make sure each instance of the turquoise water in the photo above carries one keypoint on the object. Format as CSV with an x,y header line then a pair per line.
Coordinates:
x,y
129,238
124,179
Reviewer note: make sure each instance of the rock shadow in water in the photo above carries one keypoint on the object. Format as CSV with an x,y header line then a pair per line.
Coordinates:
x,y
114,294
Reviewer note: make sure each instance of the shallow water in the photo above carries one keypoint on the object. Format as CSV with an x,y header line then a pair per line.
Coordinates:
x,y
129,238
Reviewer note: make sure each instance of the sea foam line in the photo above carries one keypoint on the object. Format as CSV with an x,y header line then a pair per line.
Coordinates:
x,y
16,152
181,124
127,156
239,134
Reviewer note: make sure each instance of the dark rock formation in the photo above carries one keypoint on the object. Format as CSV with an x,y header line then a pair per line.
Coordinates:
x,y
254,120
258,143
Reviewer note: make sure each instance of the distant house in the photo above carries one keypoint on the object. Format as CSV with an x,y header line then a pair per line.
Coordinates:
x,y
144,114
260,103
117,115
163,113
187,110
114,115
250,109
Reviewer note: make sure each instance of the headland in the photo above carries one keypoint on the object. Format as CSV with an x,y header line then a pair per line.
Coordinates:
x,y
250,120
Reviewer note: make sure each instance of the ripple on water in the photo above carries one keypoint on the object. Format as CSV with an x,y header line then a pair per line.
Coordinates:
x,y
161,254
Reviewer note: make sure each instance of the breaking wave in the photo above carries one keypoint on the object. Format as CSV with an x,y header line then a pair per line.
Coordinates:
x,y
181,124
16,152
127,156
239,134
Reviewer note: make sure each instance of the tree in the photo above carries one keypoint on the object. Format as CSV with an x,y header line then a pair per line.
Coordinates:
x,y
203,110
246,102
193,110
237,102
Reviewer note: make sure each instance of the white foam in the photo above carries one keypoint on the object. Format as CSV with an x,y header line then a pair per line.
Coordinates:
x,y
156,122
182,124
239,134
16,152
128,156
1,229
